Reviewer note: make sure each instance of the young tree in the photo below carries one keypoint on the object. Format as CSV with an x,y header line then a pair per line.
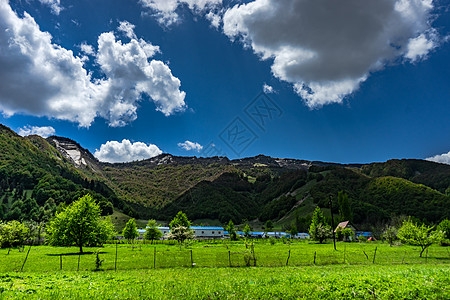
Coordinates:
x,y
319,230
180,228
13,234
293,231
231,231
390,234
180,233
416,235
180,220
247,230
152,232
444,226
130,231
79,224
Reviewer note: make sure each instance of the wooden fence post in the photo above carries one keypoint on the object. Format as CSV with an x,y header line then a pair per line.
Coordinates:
x,y
115,259
314,257
374,255
192,259
25,259
78,267
289,255
154,258
229,258
60,261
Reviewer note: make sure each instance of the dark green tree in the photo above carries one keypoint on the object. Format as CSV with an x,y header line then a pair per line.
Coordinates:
x,y
345,210
79,224
269,225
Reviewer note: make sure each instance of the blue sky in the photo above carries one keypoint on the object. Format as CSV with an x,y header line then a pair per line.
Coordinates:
x,y
358,82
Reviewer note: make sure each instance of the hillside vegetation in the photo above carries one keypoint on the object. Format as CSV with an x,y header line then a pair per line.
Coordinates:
x,y
38,176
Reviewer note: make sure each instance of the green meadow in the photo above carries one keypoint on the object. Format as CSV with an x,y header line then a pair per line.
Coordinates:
x,y
227,270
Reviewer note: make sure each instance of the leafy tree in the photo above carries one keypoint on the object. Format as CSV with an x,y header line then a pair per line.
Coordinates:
x,y
180,228
322,233
231,231
130,231
247,230
416,235
444,226
79,224
347,234
269,225
319,230
180,220
13,234
345,210
180,233
152,232
390,234
293,231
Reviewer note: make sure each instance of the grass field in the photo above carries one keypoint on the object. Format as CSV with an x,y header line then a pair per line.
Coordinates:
x,y
398,272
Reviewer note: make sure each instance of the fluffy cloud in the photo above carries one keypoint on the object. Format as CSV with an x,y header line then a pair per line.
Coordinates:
x,y
268,89
166,9
188,146
44,131
55,5
326,49
442,158
58,85
125,151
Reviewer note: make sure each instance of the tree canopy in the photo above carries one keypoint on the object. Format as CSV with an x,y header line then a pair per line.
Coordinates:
x,y
130,231
152,232
79,224
419,235
319,230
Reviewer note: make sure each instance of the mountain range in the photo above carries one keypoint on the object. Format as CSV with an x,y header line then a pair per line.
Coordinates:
x,y
40,176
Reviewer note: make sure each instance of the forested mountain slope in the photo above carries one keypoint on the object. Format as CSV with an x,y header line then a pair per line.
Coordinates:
x,y
37,175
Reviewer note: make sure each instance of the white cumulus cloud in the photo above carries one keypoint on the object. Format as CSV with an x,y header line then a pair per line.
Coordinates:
x,y
166,10
441,158
55,5
41,78
327,48
126,151
188,146
44,131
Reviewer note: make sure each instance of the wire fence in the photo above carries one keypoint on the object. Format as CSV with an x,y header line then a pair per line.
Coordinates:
x,y
154,256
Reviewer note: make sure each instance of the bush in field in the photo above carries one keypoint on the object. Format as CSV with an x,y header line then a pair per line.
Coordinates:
x,y
319,230
130,231
347,234
390,234
152,232
13,234
247,231
419,235
444,226
79,224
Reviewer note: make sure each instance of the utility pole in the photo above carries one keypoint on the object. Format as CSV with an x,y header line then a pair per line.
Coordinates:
x,y
332,221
